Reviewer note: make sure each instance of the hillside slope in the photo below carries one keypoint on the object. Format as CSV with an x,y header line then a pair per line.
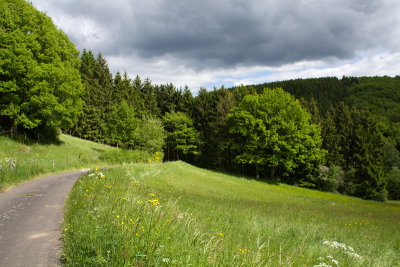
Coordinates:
x,y
154,214
30,159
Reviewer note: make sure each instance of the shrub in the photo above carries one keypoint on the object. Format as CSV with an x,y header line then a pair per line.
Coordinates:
x,y
327,179
393,184
130,156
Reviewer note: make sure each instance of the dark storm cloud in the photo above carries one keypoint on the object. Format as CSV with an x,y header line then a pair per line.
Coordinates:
x,y
212,33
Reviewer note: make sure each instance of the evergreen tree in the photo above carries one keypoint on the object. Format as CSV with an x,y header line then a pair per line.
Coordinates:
x,y
97,97
150,98
366,158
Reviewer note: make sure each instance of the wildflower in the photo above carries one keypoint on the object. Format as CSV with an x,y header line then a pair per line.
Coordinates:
x,y
322,264
118,216
97,169
154,202
166,260
243,251
221,234
355,255
66,229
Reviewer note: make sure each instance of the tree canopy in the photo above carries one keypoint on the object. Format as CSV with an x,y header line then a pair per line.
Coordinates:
x,y
40,85
273,132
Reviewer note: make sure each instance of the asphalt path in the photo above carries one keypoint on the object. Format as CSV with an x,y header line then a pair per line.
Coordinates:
x,y
30,221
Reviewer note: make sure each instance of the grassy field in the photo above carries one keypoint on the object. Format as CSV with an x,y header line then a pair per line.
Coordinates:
x,y
176,214
33,159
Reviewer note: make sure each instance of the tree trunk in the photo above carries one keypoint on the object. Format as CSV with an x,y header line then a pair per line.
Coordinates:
x,y
257,171
272,173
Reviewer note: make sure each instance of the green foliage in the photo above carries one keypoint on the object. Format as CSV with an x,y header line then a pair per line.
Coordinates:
x,y
40,85
367,158
97,81
327,179
393,183
353,141
272,131
181,136
121,125
126,156
150,135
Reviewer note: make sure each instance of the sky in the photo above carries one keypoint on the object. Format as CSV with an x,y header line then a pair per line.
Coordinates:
x,y
211,43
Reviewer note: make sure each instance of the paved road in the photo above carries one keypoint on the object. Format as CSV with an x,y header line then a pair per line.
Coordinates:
x,y
30,221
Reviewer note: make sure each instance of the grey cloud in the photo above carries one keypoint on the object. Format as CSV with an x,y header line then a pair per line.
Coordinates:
x,y
222,33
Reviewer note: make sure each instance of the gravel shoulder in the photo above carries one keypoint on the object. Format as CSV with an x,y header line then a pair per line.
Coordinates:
x,y
30,221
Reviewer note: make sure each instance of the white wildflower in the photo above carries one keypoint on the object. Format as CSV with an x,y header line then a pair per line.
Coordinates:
x,y
335,261
322,264
355,255
166,260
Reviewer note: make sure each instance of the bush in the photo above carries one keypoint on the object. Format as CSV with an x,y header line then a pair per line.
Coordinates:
x,y
328,178
130,156
393,184
150,135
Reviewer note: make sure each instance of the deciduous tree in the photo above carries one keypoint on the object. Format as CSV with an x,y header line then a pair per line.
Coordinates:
x,y
271,131
40,85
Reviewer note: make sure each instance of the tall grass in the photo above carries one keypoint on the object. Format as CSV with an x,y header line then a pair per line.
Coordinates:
x,y
32,159
176,214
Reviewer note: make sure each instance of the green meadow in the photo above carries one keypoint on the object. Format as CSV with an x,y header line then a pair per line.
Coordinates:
x,y
31,159
179,215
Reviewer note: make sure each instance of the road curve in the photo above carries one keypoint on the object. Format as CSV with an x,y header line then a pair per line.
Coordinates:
x,y
30,221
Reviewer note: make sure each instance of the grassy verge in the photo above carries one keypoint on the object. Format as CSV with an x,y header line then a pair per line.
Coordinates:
x,y
176,214
30,160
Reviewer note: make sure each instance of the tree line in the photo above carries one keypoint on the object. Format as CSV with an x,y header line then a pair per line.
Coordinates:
x,y
327,133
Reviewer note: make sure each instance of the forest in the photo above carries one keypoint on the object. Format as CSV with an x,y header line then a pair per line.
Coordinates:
x,y
332,134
